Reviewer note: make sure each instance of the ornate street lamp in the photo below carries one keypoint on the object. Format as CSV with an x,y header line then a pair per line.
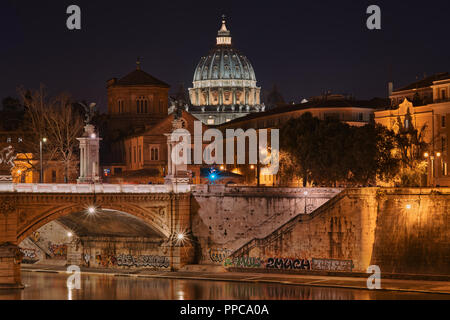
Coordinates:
x,y
432,169
41,176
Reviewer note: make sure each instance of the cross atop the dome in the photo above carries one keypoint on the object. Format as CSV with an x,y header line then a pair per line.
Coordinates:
x,y
138,64
224,37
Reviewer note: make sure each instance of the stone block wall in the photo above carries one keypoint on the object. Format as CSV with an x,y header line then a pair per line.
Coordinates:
x,y
413,231
225,218
400,230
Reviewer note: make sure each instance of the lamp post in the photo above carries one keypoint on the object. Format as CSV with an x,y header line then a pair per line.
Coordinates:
x,y
432,169
41,176
252,167
305,193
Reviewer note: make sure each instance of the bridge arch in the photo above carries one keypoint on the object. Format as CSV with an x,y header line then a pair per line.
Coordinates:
x,y
59,212
155,211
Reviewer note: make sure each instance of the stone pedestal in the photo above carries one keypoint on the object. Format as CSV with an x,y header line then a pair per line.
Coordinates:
x,y
89,156
177,173
10,259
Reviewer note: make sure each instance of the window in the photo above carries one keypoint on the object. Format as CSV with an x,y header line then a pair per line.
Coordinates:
x,y
444,169
211,121
360,116
140,154
443,121
406,123
53,176
443,95
120,105
22,178
443,141
141,105
134,154
117,170
154,153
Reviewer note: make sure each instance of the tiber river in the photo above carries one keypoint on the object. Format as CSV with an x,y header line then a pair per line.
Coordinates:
x,y
51,286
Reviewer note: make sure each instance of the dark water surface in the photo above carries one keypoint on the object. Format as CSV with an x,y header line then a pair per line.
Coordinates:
x,y
52,286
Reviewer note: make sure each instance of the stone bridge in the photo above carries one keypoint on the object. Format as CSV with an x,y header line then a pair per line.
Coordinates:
x,y
24,208
139,225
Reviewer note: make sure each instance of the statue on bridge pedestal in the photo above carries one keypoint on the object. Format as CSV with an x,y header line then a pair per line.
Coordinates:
x,y
7,157
89,150
177,172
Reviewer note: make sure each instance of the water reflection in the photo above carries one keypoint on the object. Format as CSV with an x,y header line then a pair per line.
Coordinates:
x,y
52,286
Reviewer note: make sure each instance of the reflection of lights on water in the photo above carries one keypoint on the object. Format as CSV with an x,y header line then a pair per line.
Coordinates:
x,y
180,295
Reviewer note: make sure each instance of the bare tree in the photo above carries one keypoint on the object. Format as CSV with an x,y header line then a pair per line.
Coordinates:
x,y
55,119
64,125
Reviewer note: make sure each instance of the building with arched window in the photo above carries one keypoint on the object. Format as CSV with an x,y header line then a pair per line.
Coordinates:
x,y
136,100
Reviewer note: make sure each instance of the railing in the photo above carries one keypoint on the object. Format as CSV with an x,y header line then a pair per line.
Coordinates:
x,y
91,188
221,189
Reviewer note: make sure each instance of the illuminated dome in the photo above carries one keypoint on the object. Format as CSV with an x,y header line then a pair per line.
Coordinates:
x,y
224,77
224,62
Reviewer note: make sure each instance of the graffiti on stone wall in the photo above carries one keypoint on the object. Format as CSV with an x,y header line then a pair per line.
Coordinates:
x,y
86,259
105,260
35,236
142,261
59,251
288,264
127,260
244,262
332,265
219,254
29,255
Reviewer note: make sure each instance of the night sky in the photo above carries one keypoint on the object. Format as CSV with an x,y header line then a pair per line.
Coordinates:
x,y
305,47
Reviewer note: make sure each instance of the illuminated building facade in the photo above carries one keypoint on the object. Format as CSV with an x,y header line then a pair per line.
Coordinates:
x,y
425,102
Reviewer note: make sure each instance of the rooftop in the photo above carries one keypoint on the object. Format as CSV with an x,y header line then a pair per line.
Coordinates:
x,y
138,78
425,82
316,104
